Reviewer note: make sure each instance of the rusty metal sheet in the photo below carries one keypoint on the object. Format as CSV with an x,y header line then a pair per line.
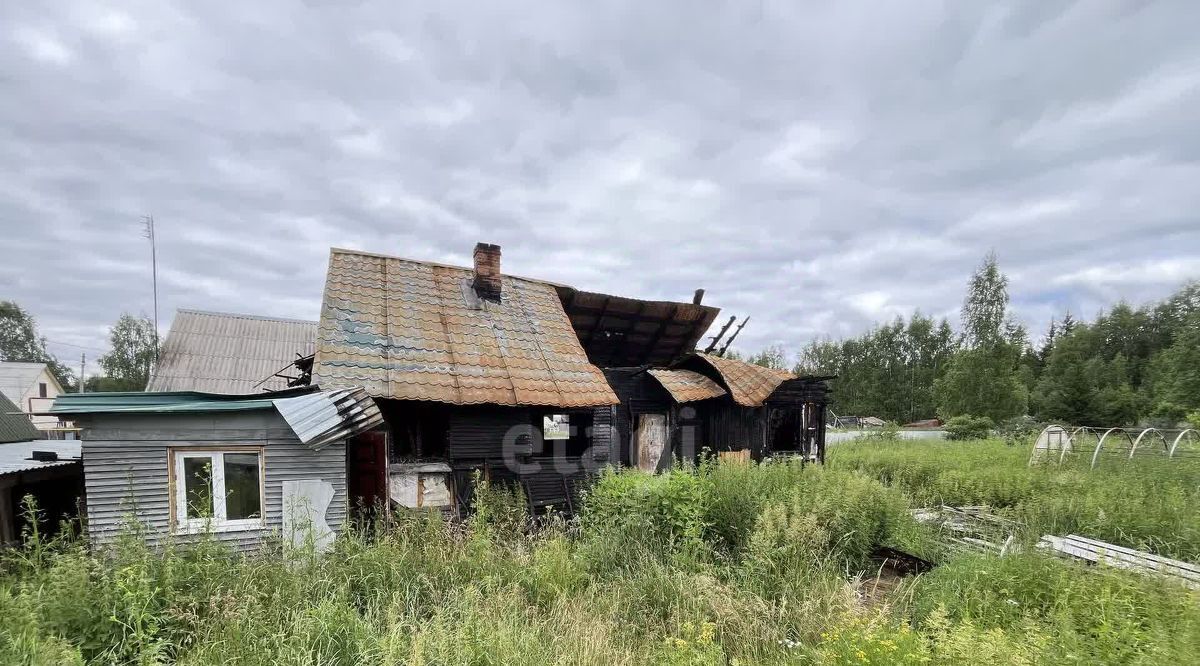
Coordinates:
x,y
413,330
749,384
687,386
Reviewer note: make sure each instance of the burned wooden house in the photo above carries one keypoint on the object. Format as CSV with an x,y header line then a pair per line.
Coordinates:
x,y
707,404
472,370
422,376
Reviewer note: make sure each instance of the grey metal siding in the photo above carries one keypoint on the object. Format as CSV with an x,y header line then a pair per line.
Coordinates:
x,y
127,479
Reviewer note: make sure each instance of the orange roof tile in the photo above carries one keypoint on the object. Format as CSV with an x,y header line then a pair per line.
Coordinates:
x,y
749,384
414,330
687,386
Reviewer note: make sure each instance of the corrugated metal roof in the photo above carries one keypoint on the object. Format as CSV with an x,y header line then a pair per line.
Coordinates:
x,y
166,402
414,330
687,386
216,352
617,331
15,426
749,384
320,419
16,457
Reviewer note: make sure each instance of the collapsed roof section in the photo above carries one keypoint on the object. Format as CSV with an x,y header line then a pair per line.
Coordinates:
x,y
749,384
616,331
415,330
687,386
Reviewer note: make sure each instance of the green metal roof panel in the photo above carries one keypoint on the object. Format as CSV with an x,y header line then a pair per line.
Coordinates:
x,y
167,402
14,425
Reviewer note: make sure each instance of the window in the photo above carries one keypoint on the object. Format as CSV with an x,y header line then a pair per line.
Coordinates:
x,y
217,489
566,434
41,389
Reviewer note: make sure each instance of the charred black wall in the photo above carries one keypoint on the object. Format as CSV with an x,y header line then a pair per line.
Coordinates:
x,y
639,393
728,426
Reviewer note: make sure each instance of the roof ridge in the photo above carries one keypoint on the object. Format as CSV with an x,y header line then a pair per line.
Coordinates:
x,y
239,315
438,264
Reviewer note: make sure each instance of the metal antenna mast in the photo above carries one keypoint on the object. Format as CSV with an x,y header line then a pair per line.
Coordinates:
x,y
149,234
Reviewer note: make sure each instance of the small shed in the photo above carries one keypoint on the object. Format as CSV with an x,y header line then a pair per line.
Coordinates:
x,y
242,467
47,470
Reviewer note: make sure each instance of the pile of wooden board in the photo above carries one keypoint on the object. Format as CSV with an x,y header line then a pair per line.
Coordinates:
x,y
974,528
1099,552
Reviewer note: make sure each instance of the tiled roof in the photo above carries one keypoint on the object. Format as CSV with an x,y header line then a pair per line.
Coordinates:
x,y
749,384
215,352
414,330
687,386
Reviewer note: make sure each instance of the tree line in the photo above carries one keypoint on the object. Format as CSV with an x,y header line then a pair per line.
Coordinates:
x,y
133,345
1130,365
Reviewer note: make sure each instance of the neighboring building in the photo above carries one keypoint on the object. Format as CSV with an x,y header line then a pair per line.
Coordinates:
x,y
859,422
237,354
32,388
47,470
15,425
243,467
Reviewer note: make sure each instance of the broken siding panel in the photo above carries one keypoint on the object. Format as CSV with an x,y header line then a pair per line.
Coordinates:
x,y
125,479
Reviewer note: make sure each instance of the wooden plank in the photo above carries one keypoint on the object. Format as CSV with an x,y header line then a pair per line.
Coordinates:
x,y
1099,552
1129,551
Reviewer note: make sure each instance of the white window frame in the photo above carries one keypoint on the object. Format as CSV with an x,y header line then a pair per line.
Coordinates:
x,y
217,522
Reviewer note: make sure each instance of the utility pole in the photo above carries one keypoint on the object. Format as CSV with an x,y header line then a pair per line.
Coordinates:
x,y
82,365
149,233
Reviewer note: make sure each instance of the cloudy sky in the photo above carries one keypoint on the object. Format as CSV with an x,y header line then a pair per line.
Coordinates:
x,y
817,168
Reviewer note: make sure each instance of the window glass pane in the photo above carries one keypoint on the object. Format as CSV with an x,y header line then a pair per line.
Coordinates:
x,y
556,426
241,486
197,486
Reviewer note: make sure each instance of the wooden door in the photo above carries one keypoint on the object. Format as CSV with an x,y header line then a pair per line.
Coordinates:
x,y
651,441
367,460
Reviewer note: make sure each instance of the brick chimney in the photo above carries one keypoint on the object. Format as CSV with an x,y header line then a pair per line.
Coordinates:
x,y
487,271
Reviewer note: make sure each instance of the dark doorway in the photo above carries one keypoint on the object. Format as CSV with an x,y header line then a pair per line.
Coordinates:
x,y
367,460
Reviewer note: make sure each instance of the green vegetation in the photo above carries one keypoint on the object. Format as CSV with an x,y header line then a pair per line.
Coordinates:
x,y
726,564
1128,366
968,427
1147,504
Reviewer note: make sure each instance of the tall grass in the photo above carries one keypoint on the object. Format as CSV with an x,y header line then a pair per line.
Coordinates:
x,y
725,564
1146,503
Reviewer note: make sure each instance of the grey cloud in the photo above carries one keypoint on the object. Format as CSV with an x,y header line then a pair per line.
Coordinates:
x,y
816,167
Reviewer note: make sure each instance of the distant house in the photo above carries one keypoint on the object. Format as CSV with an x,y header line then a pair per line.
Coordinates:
x,y
217,352
859,422
32,388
